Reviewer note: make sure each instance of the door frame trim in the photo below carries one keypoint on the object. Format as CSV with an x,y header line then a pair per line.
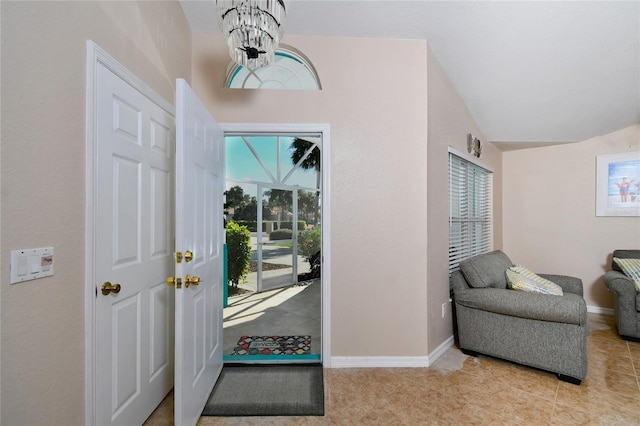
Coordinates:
x,y
324,129
97,56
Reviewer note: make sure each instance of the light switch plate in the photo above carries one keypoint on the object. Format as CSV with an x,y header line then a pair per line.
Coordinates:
x,y
30,264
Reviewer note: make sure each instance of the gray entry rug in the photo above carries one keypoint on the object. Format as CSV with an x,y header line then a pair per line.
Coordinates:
x,y
267,390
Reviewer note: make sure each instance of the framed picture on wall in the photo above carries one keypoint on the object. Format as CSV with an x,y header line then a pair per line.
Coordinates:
x,y
618,184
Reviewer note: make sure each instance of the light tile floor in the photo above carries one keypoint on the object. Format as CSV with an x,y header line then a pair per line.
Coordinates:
x,y
460,390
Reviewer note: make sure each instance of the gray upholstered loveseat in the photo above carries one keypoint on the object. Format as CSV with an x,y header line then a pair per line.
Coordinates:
x,y
539,330
627,298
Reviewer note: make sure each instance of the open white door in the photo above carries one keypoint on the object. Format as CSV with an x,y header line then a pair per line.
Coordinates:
x,y
199,242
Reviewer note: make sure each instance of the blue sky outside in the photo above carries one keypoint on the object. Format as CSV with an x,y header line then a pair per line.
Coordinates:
x,y
624,169
243,168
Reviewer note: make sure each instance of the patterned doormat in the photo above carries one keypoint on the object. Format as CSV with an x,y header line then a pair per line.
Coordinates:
x,y
273,345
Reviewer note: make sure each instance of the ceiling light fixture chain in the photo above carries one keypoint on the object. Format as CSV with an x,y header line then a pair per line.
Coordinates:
x,y
252,28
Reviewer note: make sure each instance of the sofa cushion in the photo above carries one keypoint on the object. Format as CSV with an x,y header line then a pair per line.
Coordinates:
x,y
486,270
521,278
631,268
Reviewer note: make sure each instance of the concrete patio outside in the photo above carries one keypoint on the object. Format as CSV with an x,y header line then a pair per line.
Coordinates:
x,y
289,311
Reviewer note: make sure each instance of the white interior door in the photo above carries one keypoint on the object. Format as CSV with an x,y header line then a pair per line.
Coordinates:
x,y
134,316
199,230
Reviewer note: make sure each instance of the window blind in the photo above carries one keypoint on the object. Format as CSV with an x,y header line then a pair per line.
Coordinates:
x,y
470,210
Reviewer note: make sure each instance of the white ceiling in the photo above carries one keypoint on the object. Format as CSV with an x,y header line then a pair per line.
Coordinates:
x,y
529,71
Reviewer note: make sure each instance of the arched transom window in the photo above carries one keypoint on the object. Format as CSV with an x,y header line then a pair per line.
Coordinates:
x,y
289,70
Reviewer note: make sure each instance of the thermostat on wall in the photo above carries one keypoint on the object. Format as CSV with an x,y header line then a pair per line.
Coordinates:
x,y
30,264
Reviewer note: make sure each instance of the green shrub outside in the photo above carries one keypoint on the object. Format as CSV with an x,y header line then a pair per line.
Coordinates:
x,y
309,242
239,252
252,225
302,225
281,234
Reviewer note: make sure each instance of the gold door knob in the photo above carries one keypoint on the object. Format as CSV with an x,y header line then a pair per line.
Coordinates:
x,y
108,288
188,256
189,280
171,281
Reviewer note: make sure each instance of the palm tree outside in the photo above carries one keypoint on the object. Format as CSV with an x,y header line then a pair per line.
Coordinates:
x,y
307,155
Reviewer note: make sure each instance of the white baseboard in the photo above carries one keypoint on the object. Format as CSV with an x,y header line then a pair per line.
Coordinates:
x,y
378,361
391,361
416,361
440,350
599,310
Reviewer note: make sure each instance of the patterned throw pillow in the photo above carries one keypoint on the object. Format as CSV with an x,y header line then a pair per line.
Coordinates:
x,y
631,268
520,278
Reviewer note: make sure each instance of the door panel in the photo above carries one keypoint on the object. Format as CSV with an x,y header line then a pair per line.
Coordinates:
x,y
161,199
161,329
126,211
133,237
126,346
199,230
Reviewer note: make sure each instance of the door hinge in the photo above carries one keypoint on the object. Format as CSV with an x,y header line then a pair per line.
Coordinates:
x,y
179,257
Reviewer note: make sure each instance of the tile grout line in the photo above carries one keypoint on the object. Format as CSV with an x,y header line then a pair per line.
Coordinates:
x,y
633,365
555,401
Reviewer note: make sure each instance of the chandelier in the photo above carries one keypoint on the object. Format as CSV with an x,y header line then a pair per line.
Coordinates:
x,y
253,29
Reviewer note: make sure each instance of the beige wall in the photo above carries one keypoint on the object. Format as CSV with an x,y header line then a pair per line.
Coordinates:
x,y
374,98
43,203
449,124
549,211
389,192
